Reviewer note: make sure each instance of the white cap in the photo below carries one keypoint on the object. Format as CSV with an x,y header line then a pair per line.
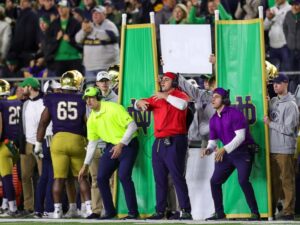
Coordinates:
x,y
102,75
99,9
193,82
52,84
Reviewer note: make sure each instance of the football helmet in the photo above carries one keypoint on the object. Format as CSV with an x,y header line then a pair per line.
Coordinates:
x,y
4,87
114,73
271,71
71,80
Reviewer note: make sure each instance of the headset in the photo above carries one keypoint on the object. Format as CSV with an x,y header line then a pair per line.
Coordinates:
x,y
175,82
226,99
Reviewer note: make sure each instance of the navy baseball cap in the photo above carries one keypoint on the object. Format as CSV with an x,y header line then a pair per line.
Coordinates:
x,y
281,78
295,2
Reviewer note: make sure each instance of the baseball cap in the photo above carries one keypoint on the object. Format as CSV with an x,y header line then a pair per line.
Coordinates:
x,y
205,76
221,91
64,3
170,75
51,84
99,9
295,2
90,92
281,78
30,81
102,75
107,3
193,82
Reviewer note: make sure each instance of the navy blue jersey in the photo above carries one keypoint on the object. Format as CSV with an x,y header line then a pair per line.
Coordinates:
x,y
67,112
10,110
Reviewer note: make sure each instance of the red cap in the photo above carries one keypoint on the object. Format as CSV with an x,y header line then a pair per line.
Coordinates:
x,y
170,75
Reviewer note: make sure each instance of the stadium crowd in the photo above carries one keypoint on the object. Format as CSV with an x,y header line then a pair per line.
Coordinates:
x,y
46,128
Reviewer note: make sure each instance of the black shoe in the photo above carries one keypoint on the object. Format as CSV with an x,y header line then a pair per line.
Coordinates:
x,y
107,217
156,216
287,217
254,217
131,217
93,216
172,215
185,216
217,216
37,215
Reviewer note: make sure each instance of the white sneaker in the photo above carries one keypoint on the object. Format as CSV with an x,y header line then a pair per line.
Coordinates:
x,y
71,214
88,213
83,212
57,215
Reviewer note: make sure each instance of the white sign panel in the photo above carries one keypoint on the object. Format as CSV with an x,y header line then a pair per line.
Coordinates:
x,y
186,48
198,174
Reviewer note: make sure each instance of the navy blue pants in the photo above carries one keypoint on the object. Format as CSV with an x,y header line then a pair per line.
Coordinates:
x,y
44,198
8,188
107,167
170,159
239,159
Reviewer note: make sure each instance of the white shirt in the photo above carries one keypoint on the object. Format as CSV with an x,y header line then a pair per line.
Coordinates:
x,y
275,25
32,115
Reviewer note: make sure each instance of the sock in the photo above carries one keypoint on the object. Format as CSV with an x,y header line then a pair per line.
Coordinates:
x,y
4,203
88,206
72,206
12,206
57,207
83,207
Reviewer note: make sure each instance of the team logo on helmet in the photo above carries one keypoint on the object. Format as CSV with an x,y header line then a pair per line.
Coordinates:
x,y
71,80
114,73
4,87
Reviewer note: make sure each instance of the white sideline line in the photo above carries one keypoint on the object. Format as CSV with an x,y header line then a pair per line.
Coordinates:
x,y
145,222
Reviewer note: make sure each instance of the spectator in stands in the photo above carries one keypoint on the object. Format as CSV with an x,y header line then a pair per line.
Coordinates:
x,y
230,126
170,146
78,14
62,53
100,43
134,12
291,28
209,18
5,36
88,8
247,9
279,53
48,10
163,16
11,67
113,14
11,11
179,14
283,121
25,38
